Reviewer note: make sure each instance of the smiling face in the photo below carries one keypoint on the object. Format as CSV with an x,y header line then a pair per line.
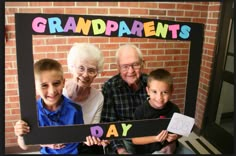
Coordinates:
x,y
159,93
85,71
129,65
49,85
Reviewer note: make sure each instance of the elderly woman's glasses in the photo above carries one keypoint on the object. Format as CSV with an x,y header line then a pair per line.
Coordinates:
x,y
90,71
135,66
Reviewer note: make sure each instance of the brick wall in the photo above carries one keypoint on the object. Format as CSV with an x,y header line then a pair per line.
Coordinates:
x,y
172,55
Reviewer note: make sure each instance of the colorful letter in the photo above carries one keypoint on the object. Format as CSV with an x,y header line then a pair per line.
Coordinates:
x,y
112,131
84,26
99,26
161,30
111,26
137,28
184,31
39,24
123,28
96,131
70,25
125,128
54,25
173,29
149,28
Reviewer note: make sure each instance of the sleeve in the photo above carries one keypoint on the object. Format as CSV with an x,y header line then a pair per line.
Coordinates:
x,y
109,114
97,116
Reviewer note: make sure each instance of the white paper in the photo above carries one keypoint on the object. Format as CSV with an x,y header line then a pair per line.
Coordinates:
x,y
181,124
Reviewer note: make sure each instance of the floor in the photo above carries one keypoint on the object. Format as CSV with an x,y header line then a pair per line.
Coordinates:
x,y
197,144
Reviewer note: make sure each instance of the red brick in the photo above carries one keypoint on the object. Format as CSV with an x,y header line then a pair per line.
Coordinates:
x,y
148,4
19,4
98,39
200,8
53,10
185,6
75,11
30,10
157,12
175,13
98,11
48,4
139,11
86,3
118,11
119,39
64,4
108,4
167,6
129,4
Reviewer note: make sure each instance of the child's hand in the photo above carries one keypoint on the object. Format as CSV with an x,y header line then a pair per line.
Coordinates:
x,y
162,136
172,137
21,128
92,140
54,146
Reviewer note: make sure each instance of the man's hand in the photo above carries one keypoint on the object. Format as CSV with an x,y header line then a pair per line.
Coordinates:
x,y
169,149
122,151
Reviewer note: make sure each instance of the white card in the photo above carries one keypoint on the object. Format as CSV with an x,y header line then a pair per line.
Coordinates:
x,y
180,124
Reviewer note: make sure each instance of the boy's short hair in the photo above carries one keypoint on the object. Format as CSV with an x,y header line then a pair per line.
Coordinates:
x,y
161,75
47,64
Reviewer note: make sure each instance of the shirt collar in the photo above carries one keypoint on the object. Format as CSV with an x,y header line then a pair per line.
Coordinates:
x,y
48,112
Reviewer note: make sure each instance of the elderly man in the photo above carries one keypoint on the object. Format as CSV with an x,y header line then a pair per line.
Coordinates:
x,y
123,93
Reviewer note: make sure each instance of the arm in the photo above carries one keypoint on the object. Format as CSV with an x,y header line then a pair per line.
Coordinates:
x,y
162,136
143,140
97,116
21,128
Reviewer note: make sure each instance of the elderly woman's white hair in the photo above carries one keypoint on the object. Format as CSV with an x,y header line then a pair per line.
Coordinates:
x,y
129,45
87,51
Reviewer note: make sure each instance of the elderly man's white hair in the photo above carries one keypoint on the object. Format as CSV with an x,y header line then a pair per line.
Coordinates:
x,y
87,51
129,45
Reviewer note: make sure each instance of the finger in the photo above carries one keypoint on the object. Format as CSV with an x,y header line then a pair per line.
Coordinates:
x,y
94,140
90,140
87,141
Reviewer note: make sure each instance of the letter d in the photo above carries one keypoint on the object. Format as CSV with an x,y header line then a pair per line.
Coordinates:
x,y
96,131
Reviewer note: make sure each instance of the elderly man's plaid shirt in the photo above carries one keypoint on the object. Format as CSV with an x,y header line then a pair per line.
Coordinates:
x,y
120,101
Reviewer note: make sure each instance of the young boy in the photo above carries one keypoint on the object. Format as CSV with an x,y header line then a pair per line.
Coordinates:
x,y
159,88
54,109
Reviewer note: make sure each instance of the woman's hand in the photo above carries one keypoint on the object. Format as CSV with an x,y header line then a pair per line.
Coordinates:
x,y
92,140
54,146
21,128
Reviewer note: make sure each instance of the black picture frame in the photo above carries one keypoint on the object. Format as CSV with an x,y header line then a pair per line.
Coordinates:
x,y
76,133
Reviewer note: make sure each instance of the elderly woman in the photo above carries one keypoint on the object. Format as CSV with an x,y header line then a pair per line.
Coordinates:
x,y
85,61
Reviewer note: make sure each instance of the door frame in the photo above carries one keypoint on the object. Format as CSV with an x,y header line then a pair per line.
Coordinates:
x,y
210,130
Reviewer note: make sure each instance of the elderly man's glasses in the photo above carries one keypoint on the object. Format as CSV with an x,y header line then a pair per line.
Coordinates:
x,y
90,71
135,66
